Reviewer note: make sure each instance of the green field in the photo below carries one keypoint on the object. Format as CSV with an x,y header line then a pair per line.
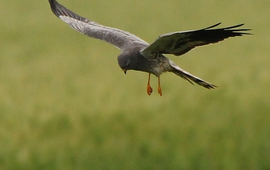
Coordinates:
x,y
66,104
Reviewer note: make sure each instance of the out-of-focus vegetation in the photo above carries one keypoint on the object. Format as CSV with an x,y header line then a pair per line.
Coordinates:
x,y
65,103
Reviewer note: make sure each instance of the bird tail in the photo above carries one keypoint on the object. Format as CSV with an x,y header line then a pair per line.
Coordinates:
x,y
189,77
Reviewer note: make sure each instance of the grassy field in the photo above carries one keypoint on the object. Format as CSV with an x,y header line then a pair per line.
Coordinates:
x,y
65,103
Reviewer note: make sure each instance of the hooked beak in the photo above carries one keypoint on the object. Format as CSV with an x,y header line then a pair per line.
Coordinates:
x,y
125,71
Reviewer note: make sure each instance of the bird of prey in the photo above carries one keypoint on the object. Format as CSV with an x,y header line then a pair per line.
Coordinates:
x,y
136,54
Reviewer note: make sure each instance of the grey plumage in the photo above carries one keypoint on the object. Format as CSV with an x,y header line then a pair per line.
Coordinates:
x,y
116,37
136,54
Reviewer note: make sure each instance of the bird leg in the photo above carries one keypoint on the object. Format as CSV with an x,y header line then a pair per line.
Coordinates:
x,y
159,88
149,88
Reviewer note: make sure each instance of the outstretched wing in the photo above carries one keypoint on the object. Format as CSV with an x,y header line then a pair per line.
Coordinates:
x,y
116,37
179,43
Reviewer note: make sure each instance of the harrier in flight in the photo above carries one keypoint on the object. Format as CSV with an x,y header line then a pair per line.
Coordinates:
x,y
136,54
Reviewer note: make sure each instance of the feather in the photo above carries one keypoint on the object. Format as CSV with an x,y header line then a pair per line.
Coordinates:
x,y
178,43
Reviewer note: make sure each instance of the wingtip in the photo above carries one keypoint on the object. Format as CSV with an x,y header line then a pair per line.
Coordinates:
x,y
212,26
235,26
211,86
53,4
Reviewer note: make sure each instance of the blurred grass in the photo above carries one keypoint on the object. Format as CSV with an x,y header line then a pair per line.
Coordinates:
x,y
65,104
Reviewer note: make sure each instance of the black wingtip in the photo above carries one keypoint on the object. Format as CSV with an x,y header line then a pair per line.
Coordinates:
x,y
235,26
212,26
60,10
230,29
53,5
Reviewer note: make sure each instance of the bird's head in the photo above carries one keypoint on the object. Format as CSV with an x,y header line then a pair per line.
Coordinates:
x,y
124,63
133,60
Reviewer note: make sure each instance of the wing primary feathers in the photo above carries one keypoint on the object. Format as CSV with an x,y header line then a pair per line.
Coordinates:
x,y
179,43
59,10
228,29
211,26
56,8
235,26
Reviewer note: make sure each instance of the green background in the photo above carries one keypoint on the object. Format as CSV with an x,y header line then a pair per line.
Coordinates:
x,y
66,104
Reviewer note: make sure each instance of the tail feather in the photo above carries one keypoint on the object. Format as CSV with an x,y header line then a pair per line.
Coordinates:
x,y
190,78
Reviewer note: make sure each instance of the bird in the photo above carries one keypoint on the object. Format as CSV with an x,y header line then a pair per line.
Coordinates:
x,y
138,55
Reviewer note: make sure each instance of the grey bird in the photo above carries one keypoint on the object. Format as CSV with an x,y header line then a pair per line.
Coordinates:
x,y
136,54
